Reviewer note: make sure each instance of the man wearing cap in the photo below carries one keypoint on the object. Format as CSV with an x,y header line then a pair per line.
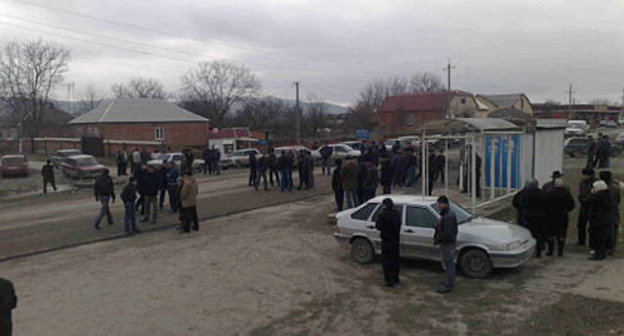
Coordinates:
x,y
551,184
446,236
389,224
584,194
104,191
600,219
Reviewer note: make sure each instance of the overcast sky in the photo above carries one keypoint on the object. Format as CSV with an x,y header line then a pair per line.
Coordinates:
x,y
335,47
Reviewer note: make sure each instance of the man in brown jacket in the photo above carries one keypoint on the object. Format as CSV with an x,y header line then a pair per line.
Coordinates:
x,y
349,176
188,200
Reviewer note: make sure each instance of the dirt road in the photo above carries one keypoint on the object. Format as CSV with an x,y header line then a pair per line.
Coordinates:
x,y
278,271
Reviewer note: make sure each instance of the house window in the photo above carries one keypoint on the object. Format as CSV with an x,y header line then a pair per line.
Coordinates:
x,y
410,119
463,101
159,133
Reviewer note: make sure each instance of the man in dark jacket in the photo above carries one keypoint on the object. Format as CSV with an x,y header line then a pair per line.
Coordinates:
x,y
550,184
47,172
104,191
601,206
150,192
433,171
518,202
161,174
614,188
128,197
603,151
446,237
591,153
559,202
216,153
440,166
253,168
585,187
337,186
8,302
387,174
349,177
326,153
285,165
207,155
145,155
272,166
261,173
370,181
389,225
122,162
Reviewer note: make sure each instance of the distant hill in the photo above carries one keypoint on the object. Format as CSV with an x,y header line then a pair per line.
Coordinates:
x,y
79,107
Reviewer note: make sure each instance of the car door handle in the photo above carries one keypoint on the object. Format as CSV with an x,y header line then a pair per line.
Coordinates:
x,y
409,231
370,227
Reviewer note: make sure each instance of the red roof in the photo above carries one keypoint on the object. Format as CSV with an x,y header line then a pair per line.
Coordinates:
x,y
419,102
228,133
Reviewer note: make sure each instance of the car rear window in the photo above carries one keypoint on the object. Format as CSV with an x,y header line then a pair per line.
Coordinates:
x,y
364,212
12,161
397,207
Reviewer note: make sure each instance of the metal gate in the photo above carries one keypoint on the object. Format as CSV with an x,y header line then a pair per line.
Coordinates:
x,y
92,145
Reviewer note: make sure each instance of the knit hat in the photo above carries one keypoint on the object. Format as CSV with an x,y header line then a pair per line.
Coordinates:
x,y
443,199
600,185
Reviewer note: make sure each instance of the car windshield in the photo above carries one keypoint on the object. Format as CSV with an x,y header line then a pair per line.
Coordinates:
x,y
12,161
86,162
463,216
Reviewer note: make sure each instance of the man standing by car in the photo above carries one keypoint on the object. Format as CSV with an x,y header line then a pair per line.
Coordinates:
x,y
337,186
591,153
128,197
614,188
326,153
389,225
603,152
8,302
349,177
446,237
104,191
47,172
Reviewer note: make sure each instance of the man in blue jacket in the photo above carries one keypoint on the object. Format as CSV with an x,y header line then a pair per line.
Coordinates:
x,y
446,237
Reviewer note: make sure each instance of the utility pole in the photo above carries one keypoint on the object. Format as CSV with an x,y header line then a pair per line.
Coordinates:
x,y
298,111
570,92
448,84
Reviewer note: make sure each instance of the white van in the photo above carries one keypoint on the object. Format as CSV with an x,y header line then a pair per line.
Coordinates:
x,y
576,128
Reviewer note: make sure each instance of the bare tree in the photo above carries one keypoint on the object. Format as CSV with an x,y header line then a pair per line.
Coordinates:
x,y
29,71
396,85
139,88
91,99
315,118
216,87
425,82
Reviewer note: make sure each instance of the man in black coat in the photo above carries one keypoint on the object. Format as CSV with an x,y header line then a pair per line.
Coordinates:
x,y
261,173
585,187
150,191
550,184
8,302
128,197
253,166
559,202
272,164
326,153
603,151
601,205
387,174
446,236
337,186
389,224
104,191
591,153
614,188
47,172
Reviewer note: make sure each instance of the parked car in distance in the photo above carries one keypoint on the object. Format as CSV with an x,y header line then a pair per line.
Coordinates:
x,y
413,140
14,165
339,151
62,154
608,123
576,128
577,147
357,145
238,158
620,138
482,244
175,158
81,167
281,150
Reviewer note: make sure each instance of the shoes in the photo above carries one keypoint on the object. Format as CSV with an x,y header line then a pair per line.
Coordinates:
x,y
594,258
137,231
388,284
111,223
185,231
97,226
443,289
196,228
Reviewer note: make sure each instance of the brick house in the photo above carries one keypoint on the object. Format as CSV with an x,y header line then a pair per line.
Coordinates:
x,y
144,119
404,113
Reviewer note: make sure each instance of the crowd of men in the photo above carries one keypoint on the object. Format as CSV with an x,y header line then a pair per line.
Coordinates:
x,y
544,211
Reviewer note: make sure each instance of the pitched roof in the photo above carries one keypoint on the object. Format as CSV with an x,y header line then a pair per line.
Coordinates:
x,y
504,100
137,110
228,133
508,113
419,102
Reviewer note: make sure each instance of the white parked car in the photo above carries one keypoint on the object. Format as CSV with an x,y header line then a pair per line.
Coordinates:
x,y
482,244
339,151
357,145
608,123
238,158
281,150
576,128
176,158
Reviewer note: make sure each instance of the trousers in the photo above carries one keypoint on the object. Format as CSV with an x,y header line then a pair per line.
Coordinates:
x,y
104,210
391,262
448,254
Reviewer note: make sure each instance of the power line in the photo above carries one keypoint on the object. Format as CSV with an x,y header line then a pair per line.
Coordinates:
x,y
104,36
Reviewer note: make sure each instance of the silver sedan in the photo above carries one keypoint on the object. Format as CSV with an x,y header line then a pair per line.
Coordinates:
x,y
482,244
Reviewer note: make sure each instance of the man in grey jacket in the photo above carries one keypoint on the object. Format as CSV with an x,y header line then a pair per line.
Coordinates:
x,y
446,237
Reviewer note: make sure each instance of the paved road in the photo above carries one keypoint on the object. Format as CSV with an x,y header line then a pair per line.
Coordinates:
x,y
54,221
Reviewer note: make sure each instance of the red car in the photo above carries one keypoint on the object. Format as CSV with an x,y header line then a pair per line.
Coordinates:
x,y
14,165
81,166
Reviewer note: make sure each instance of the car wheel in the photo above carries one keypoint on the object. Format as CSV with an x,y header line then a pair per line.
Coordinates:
x,y
362,251
475,264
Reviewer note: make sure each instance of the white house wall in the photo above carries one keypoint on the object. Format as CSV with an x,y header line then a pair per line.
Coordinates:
x,y
548,153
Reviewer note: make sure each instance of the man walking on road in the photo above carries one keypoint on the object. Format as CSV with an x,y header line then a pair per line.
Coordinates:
x,y
128,197
47,172
261,173
584,197
285,165
446,236
188,199
8,302
104,191
253,166
150,192
389,225
326,153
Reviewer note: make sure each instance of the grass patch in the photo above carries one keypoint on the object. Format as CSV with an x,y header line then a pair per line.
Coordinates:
x,y
576,315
